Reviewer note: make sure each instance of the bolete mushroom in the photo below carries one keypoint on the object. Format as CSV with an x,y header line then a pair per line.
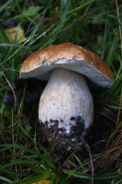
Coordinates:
x,y
66,107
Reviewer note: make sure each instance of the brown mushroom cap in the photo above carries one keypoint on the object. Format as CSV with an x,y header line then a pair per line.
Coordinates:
x,y
40,64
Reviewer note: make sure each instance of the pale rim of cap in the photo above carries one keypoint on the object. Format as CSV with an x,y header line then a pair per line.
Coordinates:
x,y
69,56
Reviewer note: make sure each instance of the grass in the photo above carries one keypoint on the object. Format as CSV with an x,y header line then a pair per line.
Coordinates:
x,y
96,25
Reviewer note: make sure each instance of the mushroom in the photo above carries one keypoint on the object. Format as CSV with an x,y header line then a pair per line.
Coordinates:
x,y
66,109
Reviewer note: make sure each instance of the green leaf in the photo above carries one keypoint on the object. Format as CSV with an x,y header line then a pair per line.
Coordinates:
x,y
32,11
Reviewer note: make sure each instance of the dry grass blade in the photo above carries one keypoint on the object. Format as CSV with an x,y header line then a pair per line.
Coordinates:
x,y
117,9
79,19
91,160
120,24
15,99
113,152
109,157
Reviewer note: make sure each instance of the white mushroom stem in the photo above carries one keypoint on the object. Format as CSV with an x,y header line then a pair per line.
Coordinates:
x,y
65,99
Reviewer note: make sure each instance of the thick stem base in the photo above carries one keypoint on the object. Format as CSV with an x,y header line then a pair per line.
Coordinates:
x,y
66,107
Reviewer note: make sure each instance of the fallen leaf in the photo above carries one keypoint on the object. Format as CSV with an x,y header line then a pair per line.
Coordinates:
x,y
13,31
42,182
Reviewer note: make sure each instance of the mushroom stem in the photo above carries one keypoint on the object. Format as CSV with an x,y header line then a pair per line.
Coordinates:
x,y
66,103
